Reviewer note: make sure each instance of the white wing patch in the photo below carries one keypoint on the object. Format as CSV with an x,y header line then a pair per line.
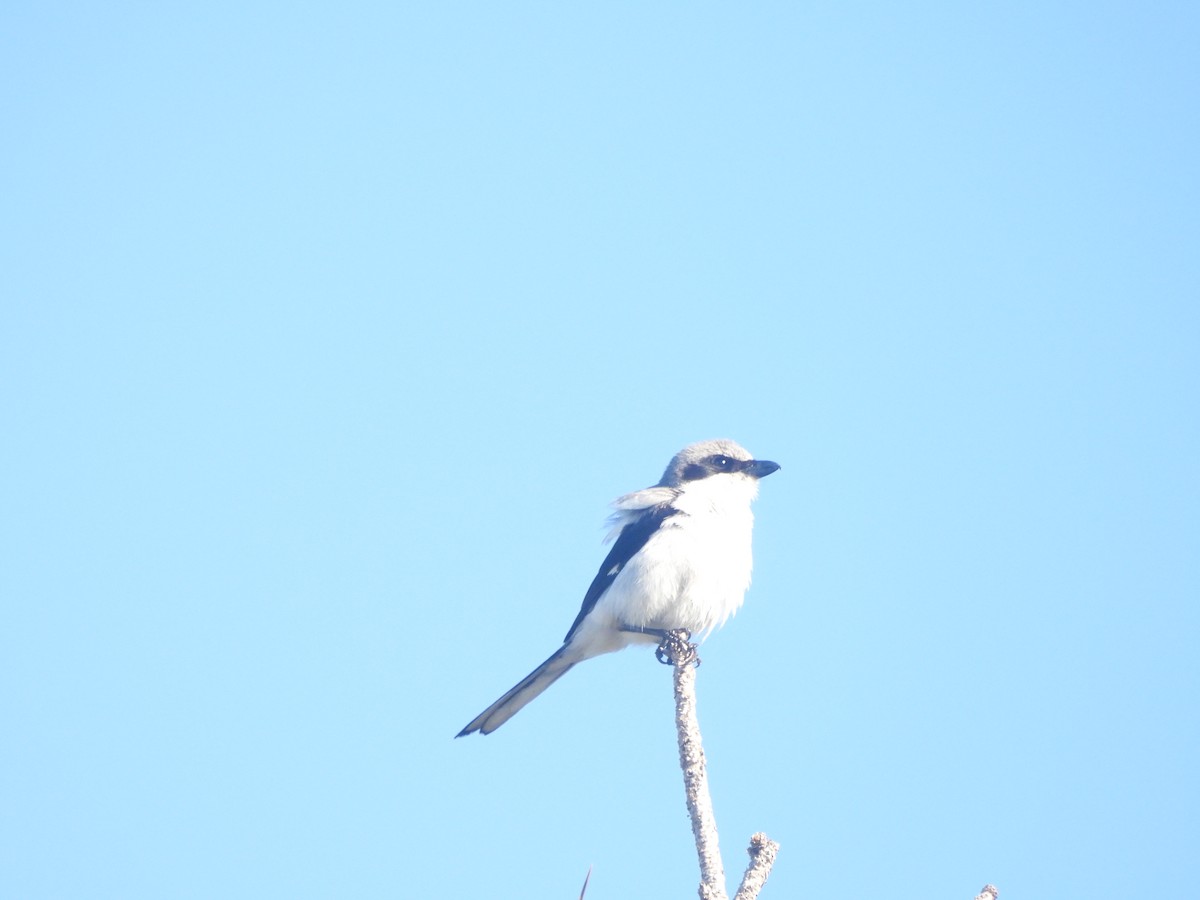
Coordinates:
x,y
630,506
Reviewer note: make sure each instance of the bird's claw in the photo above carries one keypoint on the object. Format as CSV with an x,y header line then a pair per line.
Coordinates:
x,y
676,649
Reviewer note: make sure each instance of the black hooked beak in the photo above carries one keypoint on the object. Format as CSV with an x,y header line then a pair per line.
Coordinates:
x,y
761,468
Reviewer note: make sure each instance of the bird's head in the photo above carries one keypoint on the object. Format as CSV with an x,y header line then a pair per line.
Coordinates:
x,y
707,459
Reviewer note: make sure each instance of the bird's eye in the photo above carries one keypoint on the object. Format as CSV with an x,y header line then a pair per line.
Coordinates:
x,y
722,462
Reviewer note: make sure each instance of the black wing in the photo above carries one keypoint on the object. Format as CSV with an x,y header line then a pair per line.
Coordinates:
x,y
632,538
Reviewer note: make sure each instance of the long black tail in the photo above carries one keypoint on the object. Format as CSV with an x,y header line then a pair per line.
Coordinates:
x,y
529,687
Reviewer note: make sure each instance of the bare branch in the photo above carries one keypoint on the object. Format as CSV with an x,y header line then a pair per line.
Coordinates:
x,y
676,650
762,852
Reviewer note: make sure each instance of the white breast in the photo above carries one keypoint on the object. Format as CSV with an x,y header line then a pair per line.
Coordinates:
x,y
694,571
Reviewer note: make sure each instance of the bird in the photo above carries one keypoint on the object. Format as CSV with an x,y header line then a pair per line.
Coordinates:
x,y
680,560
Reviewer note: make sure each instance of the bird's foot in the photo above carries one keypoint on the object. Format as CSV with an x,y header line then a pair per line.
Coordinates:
x,y
676,649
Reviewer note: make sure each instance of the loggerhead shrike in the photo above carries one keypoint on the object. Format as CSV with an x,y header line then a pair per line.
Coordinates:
x,y
681,560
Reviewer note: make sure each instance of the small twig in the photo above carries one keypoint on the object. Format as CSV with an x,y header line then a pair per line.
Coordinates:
x,y
762,852
682,655
586,879
989,893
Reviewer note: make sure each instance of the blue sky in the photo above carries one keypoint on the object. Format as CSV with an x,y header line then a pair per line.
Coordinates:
x,y
327,336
